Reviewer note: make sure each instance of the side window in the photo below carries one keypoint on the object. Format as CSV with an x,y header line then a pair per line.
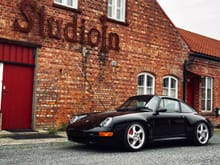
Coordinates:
x,y
153,103
116,10
170,105
67,3
186,109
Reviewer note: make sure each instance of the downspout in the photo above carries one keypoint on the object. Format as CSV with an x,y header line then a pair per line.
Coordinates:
x,y
34,99
184,80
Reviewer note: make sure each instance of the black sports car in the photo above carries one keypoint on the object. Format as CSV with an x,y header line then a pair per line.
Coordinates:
x,y
141,119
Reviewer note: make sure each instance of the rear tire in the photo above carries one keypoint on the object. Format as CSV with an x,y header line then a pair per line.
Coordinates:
x,y
201,134
134,137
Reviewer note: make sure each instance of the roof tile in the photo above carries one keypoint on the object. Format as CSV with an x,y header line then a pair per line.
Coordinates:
x,y
201,44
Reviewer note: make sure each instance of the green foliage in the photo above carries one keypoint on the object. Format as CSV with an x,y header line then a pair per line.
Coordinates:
x,y
52,131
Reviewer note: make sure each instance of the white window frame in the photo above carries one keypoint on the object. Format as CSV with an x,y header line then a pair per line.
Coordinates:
x,y
145,87
169,88
115,8
205,98
65,3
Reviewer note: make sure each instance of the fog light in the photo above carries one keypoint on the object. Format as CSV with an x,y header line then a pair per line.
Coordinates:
x,y
106,134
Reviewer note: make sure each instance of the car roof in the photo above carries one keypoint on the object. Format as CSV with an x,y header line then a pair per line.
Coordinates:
x,y
160,96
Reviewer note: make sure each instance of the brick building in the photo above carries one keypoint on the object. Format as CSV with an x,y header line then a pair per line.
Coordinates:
x,y
58,58
202,76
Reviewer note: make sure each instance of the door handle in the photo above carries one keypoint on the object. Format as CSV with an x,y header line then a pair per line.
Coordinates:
x,y
4,89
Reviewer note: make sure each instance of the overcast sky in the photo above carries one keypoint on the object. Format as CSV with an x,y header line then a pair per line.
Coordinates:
x,y
199,16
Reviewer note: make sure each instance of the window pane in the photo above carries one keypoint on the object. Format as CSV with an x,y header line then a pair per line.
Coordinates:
x,y
209,105
149,81
110,11
149,91
116,9
209,93
165,91
59,1
203,93
203,104
173,83
166,82
171,105
207,89
110,2
118,14
209,83
186,109
119,3
140,90
203,82
70,2
141,80
161,104
173,92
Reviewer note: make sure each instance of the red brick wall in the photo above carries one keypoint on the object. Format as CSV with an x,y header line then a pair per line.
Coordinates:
x,y
210,68
67,84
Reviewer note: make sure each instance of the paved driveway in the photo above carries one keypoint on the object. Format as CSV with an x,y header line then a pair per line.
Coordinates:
x,y
68,153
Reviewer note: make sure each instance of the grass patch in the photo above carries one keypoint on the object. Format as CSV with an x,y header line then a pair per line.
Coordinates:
x,y
52,131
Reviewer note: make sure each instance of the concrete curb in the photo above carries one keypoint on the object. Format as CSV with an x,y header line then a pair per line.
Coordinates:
x,y
6,137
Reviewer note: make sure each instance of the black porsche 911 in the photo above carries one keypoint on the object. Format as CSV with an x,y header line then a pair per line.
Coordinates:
x,y
140,120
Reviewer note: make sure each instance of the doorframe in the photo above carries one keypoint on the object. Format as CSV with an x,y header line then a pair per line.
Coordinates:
x,y
1,80
34,98
35,48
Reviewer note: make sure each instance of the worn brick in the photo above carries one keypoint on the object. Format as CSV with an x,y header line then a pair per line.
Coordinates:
x,y
67,83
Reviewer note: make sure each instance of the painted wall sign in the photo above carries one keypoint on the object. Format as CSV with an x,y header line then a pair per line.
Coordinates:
x,y
56,29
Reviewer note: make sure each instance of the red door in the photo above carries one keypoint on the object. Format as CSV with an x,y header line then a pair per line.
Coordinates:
x,y
190,92
17,94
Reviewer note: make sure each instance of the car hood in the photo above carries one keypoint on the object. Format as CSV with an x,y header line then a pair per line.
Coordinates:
x,y
92,120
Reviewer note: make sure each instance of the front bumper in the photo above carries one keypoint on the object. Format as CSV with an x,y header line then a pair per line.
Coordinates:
x,y
90,136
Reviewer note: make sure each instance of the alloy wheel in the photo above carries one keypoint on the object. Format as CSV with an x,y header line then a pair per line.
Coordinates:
x,y
202,133
135,136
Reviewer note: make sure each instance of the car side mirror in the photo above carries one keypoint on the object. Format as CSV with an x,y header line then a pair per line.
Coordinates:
x,y
160,110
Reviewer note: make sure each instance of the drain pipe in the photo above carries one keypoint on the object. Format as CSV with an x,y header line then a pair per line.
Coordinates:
x,y
184,80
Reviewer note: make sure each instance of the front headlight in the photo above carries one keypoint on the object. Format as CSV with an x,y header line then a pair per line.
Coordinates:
x,y
76,118
106,122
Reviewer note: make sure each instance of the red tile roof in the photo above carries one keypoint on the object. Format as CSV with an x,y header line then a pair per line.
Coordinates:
x,y
201,44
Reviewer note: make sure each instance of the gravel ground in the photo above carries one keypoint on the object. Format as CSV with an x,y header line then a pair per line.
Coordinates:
x,y
169,153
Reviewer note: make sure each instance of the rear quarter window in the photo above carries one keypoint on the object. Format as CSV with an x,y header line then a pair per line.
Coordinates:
x,y
186,109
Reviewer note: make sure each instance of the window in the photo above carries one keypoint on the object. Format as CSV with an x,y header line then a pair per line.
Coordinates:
x,y
186,109
170,86
207,91
146,83
116,10
171,105
67,3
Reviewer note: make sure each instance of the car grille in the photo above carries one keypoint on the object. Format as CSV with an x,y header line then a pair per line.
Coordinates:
x,y
77,134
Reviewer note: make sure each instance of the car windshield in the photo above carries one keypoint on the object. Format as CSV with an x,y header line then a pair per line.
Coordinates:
x,y
146,103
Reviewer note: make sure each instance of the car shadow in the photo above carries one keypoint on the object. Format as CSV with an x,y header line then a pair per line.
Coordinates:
x,y
119,148
96,148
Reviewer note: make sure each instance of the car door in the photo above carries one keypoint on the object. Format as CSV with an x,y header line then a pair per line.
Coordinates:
x,y
170,123
175,118
160,126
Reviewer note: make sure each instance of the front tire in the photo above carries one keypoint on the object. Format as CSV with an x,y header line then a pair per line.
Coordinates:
x,y
134,137
201,134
